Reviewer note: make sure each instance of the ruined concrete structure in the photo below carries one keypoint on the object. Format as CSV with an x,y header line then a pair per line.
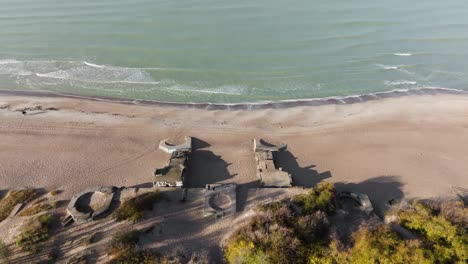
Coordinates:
x,y
220,200
362,200
174,174
88,204
269,173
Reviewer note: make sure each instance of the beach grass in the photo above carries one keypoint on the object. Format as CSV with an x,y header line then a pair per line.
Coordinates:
x,y
13,198
34,232
36,208
133,209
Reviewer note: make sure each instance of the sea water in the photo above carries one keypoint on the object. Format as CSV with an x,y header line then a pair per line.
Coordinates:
x,y
232,51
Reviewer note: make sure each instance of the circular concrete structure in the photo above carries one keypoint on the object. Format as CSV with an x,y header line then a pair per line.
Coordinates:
x,y
220,201
90,203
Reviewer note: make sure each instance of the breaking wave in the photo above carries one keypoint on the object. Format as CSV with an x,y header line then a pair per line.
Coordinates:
x,y
403,54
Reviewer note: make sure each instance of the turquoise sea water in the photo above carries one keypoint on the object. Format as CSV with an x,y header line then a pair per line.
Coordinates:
x,y
232,51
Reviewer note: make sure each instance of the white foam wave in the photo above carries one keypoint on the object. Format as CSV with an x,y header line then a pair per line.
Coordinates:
x,y
403,54
9,61
225,89
92,64
397,83
53,76
388,67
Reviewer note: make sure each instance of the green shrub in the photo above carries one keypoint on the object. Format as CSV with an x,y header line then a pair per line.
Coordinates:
x,y
298,232
444,241
134,208
12,199
4,252
34,232
380,245
319,198
278,235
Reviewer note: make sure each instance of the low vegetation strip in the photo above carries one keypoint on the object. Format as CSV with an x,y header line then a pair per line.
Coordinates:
x,y
122,248
35,209
13,198
300,231
133,209
35,232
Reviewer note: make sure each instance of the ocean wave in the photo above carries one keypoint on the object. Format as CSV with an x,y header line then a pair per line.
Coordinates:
x,y
397,83
224,89
403,54
388,67
92,64
9,61
52,76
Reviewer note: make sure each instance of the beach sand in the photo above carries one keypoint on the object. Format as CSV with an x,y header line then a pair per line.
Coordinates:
x,y
396,148
412,147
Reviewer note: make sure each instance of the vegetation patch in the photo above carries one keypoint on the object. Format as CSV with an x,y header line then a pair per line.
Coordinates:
x,y
134,208
320,198
35,232
54,192
5,252
298,231
13,198
123,249
35,209
285,232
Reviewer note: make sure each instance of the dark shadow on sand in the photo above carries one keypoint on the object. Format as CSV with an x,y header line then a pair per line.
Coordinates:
x,y
206,168
198,144
305,177
380,190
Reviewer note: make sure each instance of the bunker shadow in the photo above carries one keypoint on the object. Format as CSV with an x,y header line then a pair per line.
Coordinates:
x,y
305,177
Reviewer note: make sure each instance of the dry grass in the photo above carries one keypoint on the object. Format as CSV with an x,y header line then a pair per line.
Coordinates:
x,y
54,192
34,232
133,209
13,198
36,208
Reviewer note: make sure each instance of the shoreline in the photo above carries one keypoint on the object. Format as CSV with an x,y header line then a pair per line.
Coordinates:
x,y
280,104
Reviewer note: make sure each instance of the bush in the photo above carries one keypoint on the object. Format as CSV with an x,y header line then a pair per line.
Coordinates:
x,y
379,245
12,199
319,198
34,233
133,208
136,257
278,235
123,248
298,232
444,241
4,252
123,241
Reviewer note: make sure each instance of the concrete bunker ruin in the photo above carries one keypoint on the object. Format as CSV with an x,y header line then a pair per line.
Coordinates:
x,y
174,174
220,200
354,201
87,205
268,171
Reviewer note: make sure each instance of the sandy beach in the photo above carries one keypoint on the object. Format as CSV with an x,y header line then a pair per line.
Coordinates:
x,y
395,148
412,147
